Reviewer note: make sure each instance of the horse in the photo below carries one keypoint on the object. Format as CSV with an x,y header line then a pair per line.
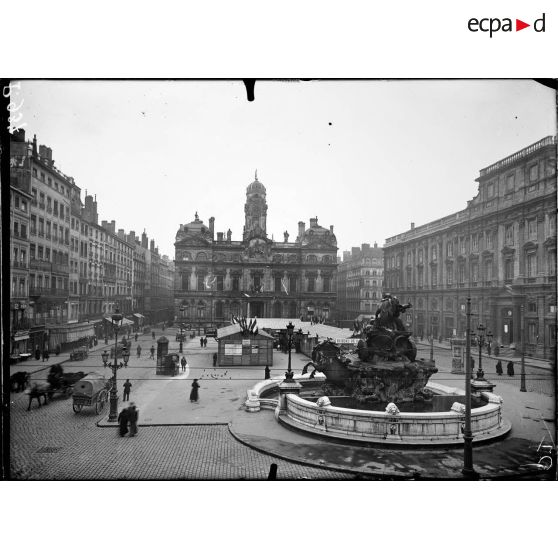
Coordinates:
x,y
38,390
19,381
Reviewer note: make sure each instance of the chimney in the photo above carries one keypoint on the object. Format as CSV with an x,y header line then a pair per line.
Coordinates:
x,y
212,226
219,237
375,245
346,255
43,152
412,226
355,251
365,247
144,240
313,222
113,226
35,145
104,224
152,245
331,229
49,155
229,234
300,229
121,234
286,236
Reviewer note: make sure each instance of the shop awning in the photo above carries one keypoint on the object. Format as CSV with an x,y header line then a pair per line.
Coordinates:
x,y
21,337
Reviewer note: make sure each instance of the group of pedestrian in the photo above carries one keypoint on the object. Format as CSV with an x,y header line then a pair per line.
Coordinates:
x,y
500,370
128,417
203,341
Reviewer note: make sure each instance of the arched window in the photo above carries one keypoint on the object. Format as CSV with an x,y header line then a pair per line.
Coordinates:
x,y
201,310
201,257
292,310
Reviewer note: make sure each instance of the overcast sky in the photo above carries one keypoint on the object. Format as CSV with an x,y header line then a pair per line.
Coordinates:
x,y
368,157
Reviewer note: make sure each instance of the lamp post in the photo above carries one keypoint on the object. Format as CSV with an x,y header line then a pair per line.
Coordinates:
x,y
468,471
289,374
116,319
481,338
522,324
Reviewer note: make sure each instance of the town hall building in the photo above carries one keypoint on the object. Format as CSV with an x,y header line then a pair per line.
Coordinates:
x,y
257,277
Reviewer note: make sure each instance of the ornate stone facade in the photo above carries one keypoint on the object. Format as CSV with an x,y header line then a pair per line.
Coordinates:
x,y
500,250
217,278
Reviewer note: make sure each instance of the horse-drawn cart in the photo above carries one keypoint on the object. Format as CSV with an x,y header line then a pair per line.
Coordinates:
x,y
91,390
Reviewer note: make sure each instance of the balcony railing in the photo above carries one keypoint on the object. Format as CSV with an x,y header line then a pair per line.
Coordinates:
x,y
46,292
60,268
42,265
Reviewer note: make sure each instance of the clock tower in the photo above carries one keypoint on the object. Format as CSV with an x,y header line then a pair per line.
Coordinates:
x,y
255,211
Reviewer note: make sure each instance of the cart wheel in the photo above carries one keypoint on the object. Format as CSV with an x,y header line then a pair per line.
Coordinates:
x,y
77,407
546,462
99,404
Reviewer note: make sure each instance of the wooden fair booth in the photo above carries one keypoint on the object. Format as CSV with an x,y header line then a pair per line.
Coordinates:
x,y
241,348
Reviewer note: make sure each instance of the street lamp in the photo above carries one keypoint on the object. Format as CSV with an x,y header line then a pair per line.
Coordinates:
x,y
289,374
522,386
116,319
481,338
468,470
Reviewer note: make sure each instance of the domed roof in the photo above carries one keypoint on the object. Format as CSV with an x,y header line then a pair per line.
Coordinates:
x,y
316,232
256,186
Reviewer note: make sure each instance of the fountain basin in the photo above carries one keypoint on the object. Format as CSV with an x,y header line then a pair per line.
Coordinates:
x,y
380,427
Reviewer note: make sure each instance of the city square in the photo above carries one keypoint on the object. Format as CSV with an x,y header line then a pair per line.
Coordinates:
x,y
326,347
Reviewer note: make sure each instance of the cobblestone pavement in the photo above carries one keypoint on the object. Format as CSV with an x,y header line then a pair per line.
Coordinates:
x,y
53,442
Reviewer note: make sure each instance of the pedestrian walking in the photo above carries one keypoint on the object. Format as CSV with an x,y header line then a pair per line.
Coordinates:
x,y
123,422
152,351
472,364
153,335
183,363
138,351
106,340
499,370
194,391
45,355
180,348
136,337
127,388
57,350
133,415
267,373
205,341
201,342
37,353
214,360
489,348
510,368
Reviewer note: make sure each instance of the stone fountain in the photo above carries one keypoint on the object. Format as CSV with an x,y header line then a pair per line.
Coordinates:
x,y
383,367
